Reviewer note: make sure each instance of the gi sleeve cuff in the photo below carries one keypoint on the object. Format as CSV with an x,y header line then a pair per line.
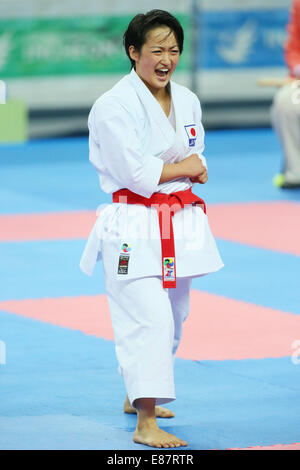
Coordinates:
x,y
152,170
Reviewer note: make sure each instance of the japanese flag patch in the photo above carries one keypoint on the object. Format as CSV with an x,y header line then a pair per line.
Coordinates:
x,y
191,133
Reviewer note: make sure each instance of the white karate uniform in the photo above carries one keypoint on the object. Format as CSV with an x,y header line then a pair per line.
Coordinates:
x,y
147,322
130,140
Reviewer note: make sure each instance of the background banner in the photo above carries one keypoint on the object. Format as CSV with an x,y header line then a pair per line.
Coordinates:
x,y
69,46
60,56
241,38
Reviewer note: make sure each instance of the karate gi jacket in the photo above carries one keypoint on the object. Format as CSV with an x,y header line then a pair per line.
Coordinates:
x,y
130,139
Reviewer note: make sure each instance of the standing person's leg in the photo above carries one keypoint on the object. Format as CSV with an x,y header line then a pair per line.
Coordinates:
x,y
180,303
143,326
285,116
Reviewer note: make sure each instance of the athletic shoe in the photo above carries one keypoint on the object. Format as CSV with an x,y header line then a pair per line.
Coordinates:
x,y
279,182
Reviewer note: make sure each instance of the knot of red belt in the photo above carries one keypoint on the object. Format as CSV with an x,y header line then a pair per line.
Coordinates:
x,y
166,205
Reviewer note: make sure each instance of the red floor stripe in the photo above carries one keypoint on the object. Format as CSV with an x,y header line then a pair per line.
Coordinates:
x,y
46,226
216,329
295,446
269,225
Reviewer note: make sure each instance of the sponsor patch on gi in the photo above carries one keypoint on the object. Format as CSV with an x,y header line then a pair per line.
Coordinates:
x,y
191,133
126,248
123,264
169,269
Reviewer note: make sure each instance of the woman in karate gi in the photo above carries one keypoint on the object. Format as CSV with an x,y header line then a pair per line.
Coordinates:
x,y
146,142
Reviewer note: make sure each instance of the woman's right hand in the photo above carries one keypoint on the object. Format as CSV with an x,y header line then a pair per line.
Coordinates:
x,y
192,166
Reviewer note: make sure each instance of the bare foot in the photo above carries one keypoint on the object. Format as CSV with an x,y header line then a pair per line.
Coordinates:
x,y
151,435
160,411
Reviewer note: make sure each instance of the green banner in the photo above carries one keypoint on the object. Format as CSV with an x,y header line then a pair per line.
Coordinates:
x,y
70,46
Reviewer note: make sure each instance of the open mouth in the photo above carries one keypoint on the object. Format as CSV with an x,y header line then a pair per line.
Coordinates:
x,y
162,72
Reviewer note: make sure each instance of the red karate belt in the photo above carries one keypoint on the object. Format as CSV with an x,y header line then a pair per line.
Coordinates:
x,y
166,205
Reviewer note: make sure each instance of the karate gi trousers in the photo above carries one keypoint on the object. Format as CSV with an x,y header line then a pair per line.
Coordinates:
x,y
285,116
147,321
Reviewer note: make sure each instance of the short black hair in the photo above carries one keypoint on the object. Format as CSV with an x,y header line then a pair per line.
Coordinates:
x,y
141,24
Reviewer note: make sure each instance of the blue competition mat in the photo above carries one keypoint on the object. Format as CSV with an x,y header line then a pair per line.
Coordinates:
x,y
60,388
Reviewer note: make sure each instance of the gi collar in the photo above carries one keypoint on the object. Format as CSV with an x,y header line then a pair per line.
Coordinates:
x,y
152,106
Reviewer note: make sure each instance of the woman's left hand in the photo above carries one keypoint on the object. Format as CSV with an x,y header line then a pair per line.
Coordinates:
x,y
201,178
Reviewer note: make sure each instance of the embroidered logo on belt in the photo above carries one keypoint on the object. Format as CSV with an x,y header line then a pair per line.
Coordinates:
x,y
126,248
169,269
191,133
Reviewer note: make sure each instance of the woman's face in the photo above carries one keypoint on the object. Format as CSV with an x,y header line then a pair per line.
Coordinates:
x,y
157,59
